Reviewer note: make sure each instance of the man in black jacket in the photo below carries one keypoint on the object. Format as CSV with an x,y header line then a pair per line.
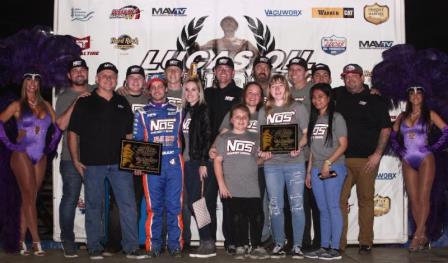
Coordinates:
x,y
220,99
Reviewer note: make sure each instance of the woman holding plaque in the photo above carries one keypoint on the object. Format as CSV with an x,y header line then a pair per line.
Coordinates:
x,y
409,139
284,168
326,169
196,131
28,162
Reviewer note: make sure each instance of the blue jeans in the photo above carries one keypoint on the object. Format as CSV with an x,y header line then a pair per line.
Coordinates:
x,y
123,187
328,193
293,175
71,188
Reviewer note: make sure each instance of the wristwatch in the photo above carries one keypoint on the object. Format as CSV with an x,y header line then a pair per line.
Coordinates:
x,y
328,162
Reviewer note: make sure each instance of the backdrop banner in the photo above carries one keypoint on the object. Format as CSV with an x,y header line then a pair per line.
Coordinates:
x,y
336,32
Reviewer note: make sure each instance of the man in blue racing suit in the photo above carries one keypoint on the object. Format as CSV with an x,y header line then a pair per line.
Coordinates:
x,y
160,122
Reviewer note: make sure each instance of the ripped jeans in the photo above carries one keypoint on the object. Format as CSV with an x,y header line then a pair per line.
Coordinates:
x,y
293,175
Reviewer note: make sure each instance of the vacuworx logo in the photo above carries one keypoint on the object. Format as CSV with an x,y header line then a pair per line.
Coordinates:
x,y
283,12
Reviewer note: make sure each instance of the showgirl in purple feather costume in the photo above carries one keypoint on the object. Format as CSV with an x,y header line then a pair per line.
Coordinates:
x,y
420,135
23,160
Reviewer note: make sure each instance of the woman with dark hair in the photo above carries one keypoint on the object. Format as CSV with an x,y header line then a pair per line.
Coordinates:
x,y
409,139
196,131
285,169
252,97
326,172
28,162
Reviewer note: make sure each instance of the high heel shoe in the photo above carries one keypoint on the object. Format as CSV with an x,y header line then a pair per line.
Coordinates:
x,y
37,249
423,243
414,246
23,249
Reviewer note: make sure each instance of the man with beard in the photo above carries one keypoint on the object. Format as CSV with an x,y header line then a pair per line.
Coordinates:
x,y
297,76
72,180
261,72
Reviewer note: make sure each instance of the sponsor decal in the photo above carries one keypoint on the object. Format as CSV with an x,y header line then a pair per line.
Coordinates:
x,y
77,14
373,44
319,131
124,42
84,44
186,49
126,12
283,12
166,11
333,12
280,117
381,205
386,176
239,147
376,14
334,45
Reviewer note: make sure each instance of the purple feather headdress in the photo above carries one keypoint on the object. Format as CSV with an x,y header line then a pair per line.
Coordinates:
x,y
38,50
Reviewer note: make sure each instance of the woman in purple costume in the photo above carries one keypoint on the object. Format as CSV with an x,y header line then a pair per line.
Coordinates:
x,y
409,139
28,160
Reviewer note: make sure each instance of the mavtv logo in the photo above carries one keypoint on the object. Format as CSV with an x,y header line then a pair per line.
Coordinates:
x,y
372,44
176,11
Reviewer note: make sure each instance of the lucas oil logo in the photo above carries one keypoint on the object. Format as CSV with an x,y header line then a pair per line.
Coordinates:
x,y
334,45
280,117
239,147
164,124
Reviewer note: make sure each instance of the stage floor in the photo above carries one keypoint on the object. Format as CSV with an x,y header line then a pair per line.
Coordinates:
x,y
379,254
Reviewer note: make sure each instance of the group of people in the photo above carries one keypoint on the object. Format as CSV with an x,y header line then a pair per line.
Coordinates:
x,y
211,146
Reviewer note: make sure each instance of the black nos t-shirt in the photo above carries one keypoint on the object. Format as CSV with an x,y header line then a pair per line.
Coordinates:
x,y
100,125
365,115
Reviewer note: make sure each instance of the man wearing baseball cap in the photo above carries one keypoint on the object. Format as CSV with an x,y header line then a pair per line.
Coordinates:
x,y
134,84
78,73
220,98
297,75
160,122
369,126
320,73
261,72
174,69
99,122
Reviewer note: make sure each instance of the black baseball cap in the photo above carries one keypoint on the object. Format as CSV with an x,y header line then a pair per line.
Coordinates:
x,y
227,61
298,61
174,62
135,69
105,66
320,66
262,59
352,68
78,62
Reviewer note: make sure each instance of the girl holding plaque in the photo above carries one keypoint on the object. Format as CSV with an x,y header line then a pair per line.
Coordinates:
x,y
284,168
326,168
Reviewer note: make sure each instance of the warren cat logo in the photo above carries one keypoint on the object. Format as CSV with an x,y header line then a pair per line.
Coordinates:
x,y
84,43
283,12
166,11
376,14
239,147
372,44
333,12
127,12
77,14
334,45
124,42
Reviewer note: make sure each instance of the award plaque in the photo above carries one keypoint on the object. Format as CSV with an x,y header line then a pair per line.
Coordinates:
x,y
144,156
279,138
